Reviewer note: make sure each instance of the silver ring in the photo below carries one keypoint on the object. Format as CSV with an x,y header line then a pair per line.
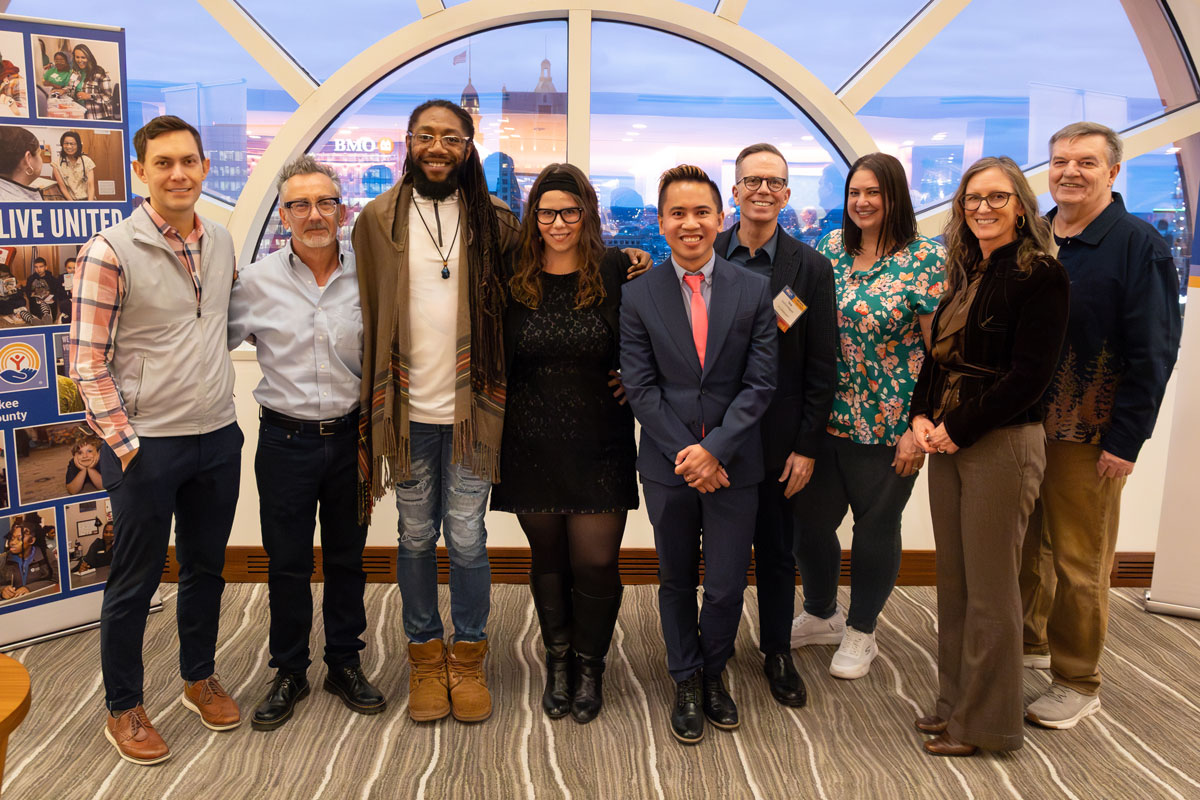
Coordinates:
x,y
940,450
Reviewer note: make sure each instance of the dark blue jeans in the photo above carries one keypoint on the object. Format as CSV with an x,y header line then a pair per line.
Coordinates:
x,y
296,474
861,478
194,479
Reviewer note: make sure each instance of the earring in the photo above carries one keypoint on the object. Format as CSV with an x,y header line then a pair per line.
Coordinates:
x,y
1020,222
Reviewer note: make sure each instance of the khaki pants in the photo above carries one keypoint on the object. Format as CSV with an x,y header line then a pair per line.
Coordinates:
x,y
980,499
1080,516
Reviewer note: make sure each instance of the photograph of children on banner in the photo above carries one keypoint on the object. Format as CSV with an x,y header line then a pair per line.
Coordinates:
x,y
61,164
78,78
89,529
13,99
29,565
55,461
35,284
69,399
3,475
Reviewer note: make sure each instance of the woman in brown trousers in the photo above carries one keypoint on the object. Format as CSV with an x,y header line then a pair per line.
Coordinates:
x,y
996,340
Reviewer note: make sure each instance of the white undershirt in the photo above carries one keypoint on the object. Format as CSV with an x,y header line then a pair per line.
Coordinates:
x,y
433,309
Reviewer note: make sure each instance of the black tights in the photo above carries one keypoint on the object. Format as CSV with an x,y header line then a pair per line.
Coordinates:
x,y
583,547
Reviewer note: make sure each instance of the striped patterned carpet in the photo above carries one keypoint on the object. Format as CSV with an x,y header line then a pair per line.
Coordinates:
x,y
854,740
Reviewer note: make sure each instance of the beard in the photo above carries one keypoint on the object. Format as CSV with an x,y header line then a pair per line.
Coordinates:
x,y
434,190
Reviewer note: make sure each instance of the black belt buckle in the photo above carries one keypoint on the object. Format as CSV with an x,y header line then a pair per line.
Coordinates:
x,y
333,426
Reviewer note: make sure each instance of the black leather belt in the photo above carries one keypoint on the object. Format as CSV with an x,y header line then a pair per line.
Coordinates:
x,y
324,427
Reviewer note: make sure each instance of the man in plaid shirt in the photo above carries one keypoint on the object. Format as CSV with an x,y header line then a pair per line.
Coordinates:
x,y
147,348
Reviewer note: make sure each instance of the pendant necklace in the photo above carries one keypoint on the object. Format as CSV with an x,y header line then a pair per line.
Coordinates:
x,y
437,240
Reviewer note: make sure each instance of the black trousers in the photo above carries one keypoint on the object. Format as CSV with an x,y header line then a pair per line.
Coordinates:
x,y
684,520
297,474
194,479
774,565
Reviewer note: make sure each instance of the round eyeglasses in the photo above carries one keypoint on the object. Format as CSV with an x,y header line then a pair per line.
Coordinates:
x,y
569,215
971,202
327,206
752,183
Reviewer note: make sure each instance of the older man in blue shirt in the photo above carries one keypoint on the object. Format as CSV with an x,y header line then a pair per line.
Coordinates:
x,y
300,307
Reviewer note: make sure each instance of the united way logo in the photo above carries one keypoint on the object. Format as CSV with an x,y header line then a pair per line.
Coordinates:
x,y
22,362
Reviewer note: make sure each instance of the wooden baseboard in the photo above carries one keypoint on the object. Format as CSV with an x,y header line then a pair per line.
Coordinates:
x,y
639,565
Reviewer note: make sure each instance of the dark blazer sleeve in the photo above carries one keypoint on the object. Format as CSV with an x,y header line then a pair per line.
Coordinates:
x,y
1038,335
820,357
639,374
758,382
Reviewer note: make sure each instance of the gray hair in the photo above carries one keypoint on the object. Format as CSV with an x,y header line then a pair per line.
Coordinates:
x,y
1112,140
305,165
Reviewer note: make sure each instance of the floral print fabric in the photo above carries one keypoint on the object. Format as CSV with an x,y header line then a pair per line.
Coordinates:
x,y
880,347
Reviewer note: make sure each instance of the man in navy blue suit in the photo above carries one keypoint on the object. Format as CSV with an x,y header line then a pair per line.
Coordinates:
x,y
698,360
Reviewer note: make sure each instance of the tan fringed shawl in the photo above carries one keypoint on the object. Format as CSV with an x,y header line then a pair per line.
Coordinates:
x,y
381,255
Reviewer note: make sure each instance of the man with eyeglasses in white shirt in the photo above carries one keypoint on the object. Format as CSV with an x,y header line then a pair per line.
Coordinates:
x,y
300,307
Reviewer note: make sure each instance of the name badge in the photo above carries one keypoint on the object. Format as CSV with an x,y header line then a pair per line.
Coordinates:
x,y
788,308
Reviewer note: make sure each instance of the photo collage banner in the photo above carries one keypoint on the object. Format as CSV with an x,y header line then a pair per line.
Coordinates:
x,y
64,175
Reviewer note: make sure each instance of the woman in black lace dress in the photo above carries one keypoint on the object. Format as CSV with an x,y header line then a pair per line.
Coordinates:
x,y
567,459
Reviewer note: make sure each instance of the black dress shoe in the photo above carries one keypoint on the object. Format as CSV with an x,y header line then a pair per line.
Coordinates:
x,y
787,687
687,719
349,683
718,705
286,691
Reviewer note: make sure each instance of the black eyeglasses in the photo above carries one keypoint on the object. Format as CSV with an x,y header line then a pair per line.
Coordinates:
x,y
971,202
569,215
452,141
328,206
752,183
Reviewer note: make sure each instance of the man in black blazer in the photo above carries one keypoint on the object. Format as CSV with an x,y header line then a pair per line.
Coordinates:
x,y
801,282
698,360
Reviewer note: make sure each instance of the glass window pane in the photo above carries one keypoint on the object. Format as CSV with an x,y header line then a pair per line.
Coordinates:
x,y
322,44
512,80
180,61
992,83
830,45
648,116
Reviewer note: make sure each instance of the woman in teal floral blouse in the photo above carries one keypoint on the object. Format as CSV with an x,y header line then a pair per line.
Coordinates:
x,y
888,279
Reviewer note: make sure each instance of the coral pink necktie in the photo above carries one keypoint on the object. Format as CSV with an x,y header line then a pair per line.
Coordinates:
x,y
699,315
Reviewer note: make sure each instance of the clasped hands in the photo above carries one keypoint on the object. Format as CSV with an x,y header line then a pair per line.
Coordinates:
x,y
931,438
701,469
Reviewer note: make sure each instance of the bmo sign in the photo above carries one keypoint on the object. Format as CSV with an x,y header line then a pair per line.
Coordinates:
x,y
363,144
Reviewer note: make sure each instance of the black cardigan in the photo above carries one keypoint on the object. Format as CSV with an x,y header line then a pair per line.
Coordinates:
x,y
1011,342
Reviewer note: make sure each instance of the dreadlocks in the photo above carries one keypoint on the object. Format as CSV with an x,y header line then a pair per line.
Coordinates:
x,y
483,255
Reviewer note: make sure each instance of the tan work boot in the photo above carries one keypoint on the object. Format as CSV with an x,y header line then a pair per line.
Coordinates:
x,y
135,738
469,695
216,708
428,692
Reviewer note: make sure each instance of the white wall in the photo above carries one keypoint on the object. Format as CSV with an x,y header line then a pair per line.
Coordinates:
x,y
1141,506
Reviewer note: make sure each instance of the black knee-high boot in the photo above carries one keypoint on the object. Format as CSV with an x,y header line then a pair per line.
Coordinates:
x,y
595,618
551,598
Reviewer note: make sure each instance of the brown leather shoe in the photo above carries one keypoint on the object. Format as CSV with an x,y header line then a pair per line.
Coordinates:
x,y
469,696
931,724
428,689
135,738
217,710
946,745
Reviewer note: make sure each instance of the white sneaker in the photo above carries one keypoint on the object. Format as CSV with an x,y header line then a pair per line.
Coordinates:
x,y
1061,707
1036,661
853,659
807,629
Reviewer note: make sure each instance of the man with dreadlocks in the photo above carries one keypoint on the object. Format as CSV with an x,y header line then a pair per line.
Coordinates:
x,y
430,263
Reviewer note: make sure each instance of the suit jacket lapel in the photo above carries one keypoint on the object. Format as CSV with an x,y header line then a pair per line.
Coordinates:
x,y
668,297
726,294
787,263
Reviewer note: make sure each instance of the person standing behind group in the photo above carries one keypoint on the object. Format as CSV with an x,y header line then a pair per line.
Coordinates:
x,y
996,337
75,171
568,452
801,281
300,307
1122,341
888,280
148,350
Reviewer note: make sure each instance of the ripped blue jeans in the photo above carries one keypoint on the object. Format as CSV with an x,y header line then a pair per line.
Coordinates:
x,y
438,498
